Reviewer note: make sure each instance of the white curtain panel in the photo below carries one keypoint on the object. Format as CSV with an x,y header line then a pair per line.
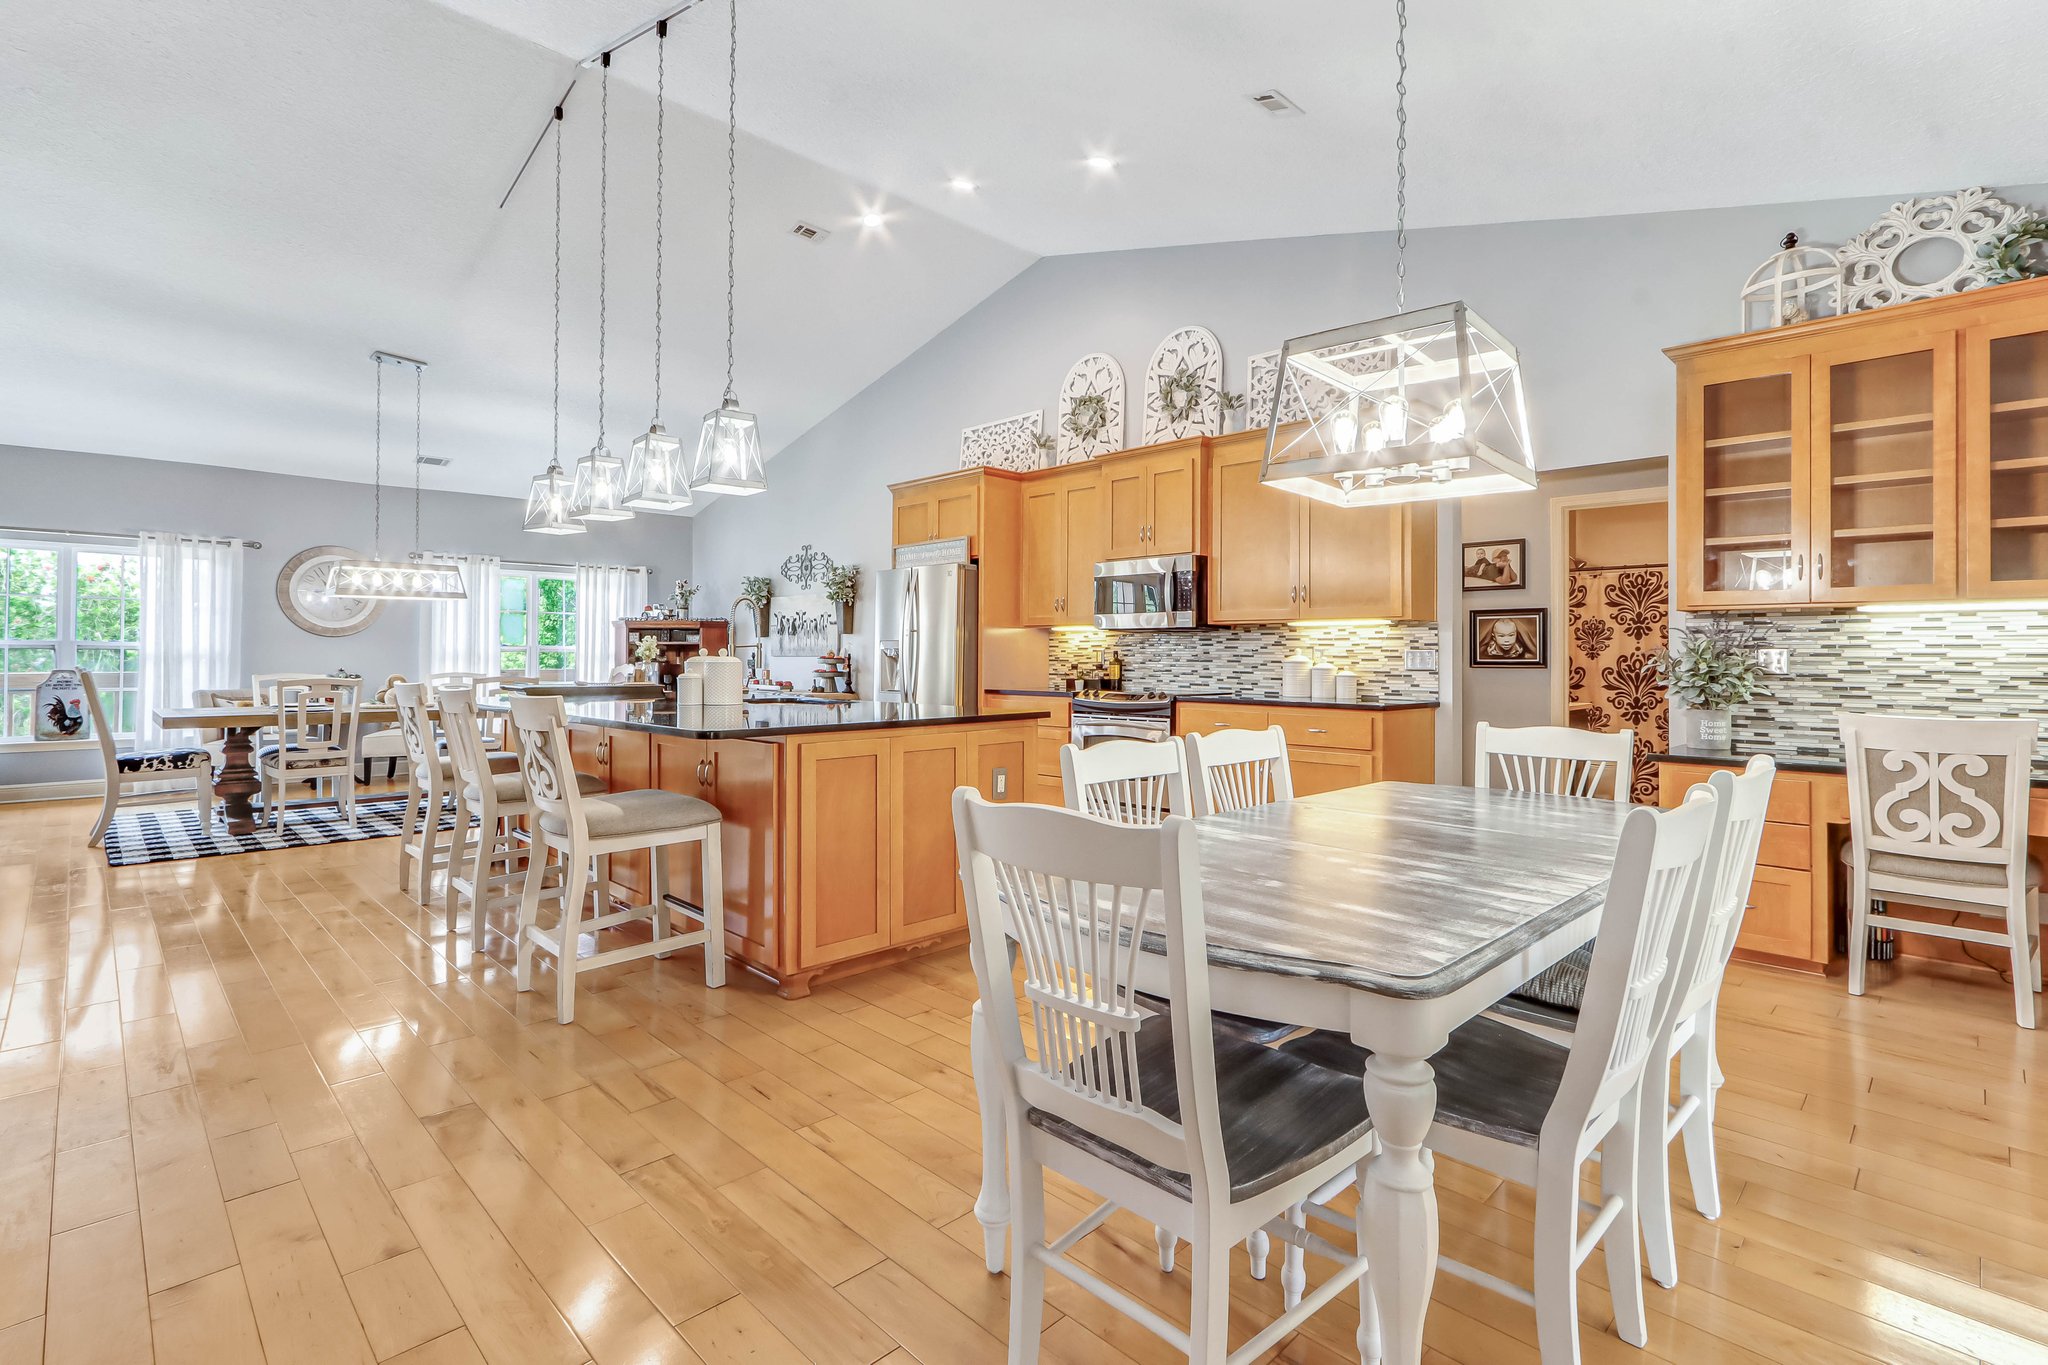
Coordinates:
x,y
460,635
605,593
191,626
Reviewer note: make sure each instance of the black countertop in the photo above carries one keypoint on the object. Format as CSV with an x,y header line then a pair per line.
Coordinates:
x,y
769,720
1793,758
1242,698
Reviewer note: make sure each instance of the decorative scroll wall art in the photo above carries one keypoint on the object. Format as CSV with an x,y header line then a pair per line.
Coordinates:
x,y
1012,443
1965,222
1615,620
1184,387
807,568
1091,410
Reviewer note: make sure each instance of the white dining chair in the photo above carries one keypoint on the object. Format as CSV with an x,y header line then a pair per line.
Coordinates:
x,y
1555,760
1190,1127
1236,770
316,739
582,829
1938,818
430,777
478,684
1533,1111
126,771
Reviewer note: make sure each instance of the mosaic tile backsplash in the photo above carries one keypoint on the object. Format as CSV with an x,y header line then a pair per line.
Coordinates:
x,y
1958,663
1248,659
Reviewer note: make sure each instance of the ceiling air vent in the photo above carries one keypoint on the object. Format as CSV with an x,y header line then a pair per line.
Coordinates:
x,y
435,461
810,232
1273,102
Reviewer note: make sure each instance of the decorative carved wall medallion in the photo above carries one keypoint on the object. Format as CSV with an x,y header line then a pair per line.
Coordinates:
x,y
807,568
1184,387
1965,221
1091,410
1010,444
1262,384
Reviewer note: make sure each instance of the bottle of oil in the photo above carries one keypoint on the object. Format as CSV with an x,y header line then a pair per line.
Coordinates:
x,y
1116,671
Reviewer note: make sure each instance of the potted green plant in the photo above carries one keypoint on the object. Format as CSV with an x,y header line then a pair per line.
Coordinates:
x,y
1712,668
842,585
755,591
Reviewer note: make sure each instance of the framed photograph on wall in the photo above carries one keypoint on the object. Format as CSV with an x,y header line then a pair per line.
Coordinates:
x,y
1513,637
1495,565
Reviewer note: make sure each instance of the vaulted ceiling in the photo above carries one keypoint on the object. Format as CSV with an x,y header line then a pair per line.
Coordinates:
x,y
212,210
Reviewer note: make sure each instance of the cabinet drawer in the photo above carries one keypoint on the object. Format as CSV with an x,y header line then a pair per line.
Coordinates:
x,y
1318,770
1780,916
1200,717
1789,846
1055,708
1332,729
1791,797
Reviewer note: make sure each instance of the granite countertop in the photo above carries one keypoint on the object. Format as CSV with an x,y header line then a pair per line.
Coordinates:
x,y
1242,698
1793,758
770,720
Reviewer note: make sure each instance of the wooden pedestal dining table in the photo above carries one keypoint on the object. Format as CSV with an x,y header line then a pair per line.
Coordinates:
x,y
236,780
1394,913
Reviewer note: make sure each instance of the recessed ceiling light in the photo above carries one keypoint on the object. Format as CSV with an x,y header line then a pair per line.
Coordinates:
x,y
1101,163
962,184
872,220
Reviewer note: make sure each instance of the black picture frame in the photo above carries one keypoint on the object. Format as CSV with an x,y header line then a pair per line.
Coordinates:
x,y
1530,647
1475,550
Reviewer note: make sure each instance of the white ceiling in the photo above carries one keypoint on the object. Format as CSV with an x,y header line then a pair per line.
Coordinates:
x,y
211,210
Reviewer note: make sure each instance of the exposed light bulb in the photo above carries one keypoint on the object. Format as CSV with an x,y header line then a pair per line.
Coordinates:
x,y
872,220
1450,426
1375,438
1394,422
1344,431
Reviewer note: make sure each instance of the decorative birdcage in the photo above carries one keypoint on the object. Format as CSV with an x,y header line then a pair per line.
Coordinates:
x,y
1793,285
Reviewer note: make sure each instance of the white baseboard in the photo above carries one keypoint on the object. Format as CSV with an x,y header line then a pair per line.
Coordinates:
x,y
91,788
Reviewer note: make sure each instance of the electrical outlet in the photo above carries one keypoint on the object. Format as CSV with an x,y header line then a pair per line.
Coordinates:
x,y
1420,660
1002,783
1776,661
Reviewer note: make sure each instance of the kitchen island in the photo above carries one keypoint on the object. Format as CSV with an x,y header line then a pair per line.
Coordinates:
x,y
838,823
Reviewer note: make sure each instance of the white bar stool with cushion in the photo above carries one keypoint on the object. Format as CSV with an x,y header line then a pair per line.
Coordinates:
x,y
1204,1134
127,771
431,777
583,828
1237,769
316,742
1938,817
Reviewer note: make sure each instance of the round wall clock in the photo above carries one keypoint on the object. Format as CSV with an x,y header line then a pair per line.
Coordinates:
x,y
303,597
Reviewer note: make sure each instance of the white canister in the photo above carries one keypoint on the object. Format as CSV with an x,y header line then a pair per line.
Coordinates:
x,y
725,678
1294,681
689,689
1322,682
1347,686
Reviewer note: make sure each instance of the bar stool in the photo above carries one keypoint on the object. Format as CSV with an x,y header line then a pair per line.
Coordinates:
x,y
583,828
432,776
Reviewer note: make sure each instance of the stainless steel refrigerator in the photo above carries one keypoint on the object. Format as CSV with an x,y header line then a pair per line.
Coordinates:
x,y
926,632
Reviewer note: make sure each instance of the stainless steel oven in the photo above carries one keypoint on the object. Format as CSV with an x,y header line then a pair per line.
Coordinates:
x,y
1161,593
1102,716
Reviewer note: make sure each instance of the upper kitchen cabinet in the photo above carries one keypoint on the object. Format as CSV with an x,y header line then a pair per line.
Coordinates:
x,y
1277,556
1061,536
1151,500
1886,456
947,506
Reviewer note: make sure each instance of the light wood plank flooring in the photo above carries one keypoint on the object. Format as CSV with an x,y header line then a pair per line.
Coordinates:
x,y
266,1108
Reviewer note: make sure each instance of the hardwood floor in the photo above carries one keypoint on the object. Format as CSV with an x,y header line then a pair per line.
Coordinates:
x,y
266,1108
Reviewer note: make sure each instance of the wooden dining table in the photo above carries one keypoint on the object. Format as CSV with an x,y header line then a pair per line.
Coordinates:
x,y
236,780
1393,913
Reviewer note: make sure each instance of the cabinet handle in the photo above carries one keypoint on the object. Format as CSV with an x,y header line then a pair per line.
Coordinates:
x,y
1799,570
1219,725
1317,730
1820,572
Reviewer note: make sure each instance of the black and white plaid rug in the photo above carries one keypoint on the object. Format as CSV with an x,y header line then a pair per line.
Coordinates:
x,y
163,834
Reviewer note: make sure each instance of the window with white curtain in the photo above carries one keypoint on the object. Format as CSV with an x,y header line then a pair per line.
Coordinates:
x,y
537,622
68,605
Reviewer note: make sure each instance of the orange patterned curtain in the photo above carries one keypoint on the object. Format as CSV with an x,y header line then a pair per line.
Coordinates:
x,y
1617,619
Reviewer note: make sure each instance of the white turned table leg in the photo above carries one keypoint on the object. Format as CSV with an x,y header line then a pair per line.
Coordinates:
x,y
992,1206
1397,1227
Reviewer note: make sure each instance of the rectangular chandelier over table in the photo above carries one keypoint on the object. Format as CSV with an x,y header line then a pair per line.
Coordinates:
x,y
407,580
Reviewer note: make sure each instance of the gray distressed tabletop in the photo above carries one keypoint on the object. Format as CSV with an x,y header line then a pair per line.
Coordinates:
x,y
1399,888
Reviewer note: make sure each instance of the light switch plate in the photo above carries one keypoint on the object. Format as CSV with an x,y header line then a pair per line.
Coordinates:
x,y
1778,661
1420,660
1002,783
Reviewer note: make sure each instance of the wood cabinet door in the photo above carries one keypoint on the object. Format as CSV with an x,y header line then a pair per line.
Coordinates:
x,y
1884,523
740,779
1254,541
1042,575
2005,457
587,751
1082,526
956,511
844,897
1006,761
1127,508
1353,562
1744,477
925,766
632,769
1173,493
1779,920
916,518
1327,770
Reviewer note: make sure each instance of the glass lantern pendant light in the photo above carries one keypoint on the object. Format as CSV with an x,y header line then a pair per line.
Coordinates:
x,y
415,578
657,479
548,498
728,458
599,474
1417,406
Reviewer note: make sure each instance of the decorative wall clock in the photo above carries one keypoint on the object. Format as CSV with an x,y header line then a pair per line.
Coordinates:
x,y
1964,222
1091,410
1184,387
303,597
1012,443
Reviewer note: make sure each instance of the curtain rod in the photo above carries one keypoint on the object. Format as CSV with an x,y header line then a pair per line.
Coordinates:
x,y
116,535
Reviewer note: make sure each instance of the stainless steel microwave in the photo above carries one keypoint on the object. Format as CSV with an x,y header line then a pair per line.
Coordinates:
x,y
1160,593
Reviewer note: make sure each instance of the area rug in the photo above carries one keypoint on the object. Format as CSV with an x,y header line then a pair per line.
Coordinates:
x,y
163,834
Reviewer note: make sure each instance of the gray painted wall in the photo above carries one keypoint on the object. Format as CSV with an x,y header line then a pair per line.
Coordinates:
x,y
62,490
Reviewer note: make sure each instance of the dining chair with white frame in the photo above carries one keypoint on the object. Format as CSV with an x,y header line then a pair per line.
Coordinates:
x,y
125,772
316,739
1237,769
1553,759
431,783
1533,1111
1938,818
1200,1132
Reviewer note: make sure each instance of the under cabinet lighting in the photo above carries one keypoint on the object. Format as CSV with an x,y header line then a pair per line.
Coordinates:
x,y
1922,608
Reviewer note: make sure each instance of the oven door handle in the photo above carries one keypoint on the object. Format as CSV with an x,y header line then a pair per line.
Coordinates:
x,y
1096,728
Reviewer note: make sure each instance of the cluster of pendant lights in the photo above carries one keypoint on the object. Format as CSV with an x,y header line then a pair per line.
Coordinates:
x,y
655,476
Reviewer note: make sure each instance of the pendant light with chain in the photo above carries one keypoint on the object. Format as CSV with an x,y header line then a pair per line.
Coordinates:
x,y
547,500
728,458
598,474
657,479
415,578
1414,407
